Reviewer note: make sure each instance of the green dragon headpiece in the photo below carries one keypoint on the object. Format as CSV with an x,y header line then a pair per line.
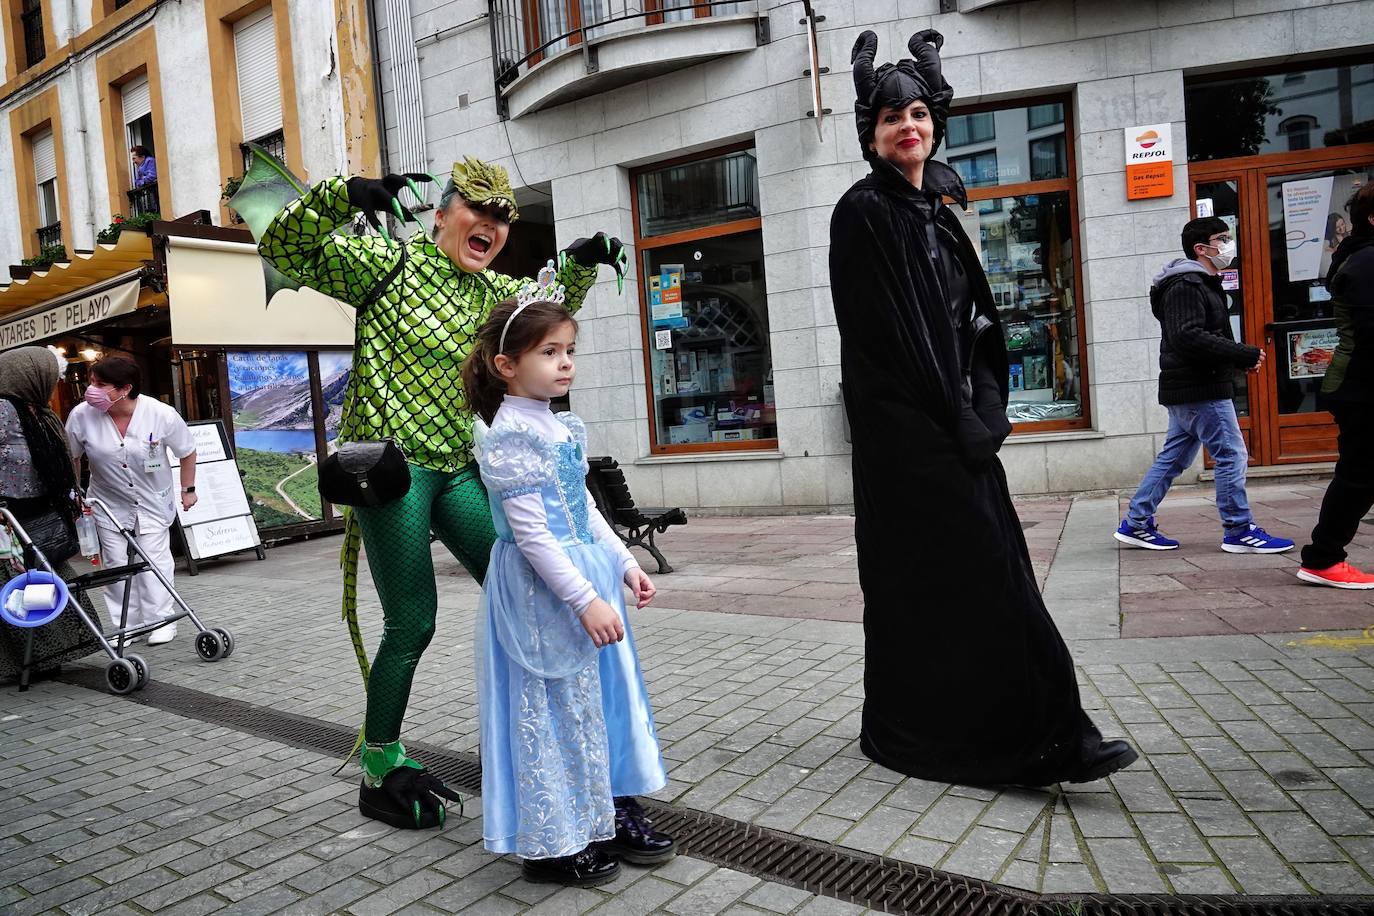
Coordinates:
x,y
481,183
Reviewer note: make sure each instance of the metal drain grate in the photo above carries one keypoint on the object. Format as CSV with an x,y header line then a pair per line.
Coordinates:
x,y
875,882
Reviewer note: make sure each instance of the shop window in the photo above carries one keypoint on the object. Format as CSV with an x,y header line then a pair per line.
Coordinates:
x,y
704,305
1026,243
1280,112
964,130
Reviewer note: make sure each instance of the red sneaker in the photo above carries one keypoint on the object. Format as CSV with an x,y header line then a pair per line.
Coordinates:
x,y
1342,575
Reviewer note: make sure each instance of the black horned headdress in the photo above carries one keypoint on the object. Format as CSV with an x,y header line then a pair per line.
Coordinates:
x,y
898,85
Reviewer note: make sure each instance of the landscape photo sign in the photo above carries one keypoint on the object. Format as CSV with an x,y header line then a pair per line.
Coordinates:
x,y
76,312
1149,162
221,521
275,427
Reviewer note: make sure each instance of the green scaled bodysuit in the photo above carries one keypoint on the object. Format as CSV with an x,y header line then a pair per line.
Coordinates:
x,y
405,384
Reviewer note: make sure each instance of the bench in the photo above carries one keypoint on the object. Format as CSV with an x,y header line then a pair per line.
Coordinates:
x,y
607,483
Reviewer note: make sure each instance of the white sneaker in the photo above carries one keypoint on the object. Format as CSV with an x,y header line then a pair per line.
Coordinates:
x,y
162,634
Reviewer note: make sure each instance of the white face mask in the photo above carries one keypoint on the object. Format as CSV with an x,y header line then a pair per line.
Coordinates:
x,y
1226,253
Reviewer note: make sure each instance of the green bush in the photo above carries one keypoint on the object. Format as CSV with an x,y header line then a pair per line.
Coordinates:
x,y
110,234
47,257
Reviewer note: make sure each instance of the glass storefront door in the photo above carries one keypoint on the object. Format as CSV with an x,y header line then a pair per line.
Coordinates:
x,y
1288,217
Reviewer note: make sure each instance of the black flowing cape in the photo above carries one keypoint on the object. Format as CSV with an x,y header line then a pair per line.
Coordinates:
x,y
966,678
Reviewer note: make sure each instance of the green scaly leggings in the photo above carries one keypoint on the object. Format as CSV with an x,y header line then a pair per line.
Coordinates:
x,y
396,539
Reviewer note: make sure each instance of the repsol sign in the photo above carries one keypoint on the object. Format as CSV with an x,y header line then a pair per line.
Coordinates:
x,y
51,321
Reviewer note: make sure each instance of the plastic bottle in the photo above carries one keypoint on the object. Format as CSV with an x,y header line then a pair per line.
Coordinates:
x,y
87,536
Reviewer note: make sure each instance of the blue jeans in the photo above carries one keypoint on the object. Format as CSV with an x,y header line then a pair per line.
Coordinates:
x,y
1191,426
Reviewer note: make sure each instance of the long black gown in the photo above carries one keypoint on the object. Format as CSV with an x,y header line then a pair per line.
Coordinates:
x,y
966,677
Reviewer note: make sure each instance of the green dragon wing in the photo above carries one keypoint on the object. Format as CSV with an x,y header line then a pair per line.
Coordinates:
x,y
267,187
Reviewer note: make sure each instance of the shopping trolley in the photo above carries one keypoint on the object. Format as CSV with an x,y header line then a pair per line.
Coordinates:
x,y
126,672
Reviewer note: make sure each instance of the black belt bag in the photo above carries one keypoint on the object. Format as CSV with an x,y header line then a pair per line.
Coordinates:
x,y
369,472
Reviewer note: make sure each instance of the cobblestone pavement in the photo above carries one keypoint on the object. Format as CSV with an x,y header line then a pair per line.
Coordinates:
x,y
1256,775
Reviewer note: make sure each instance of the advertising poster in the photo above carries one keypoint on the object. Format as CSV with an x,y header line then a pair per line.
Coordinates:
x,y
274,430
1310,352
1306,203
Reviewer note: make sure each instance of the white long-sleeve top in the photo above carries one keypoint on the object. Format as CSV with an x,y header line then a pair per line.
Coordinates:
x,y
529,522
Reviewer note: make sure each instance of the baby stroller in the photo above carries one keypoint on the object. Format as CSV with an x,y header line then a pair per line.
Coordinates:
x,y
125,673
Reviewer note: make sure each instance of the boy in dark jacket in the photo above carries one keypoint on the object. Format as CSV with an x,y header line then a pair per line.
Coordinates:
x,y
1198,359
1348,391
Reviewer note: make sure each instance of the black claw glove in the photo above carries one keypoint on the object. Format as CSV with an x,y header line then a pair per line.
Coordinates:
x,y
374,195
599,249
414,791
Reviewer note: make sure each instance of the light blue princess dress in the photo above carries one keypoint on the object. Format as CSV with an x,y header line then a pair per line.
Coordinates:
x,y
564,727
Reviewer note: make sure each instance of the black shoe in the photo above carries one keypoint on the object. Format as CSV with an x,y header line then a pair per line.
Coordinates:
x,y
636,841
1110,757
588,868
408,799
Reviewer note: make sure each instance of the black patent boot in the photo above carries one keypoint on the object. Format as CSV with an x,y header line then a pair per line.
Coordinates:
x,y
588,868
636,841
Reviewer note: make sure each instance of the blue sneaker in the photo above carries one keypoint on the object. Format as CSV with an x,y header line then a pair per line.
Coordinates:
x,y
1147,537
1256,540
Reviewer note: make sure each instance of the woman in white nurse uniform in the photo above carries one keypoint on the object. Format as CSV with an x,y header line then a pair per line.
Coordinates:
x,y
125,439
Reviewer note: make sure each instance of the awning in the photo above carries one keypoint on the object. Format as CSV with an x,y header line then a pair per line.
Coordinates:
x,y
218,299
54,318
128,253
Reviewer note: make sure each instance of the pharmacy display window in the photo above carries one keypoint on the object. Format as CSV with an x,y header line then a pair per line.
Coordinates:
x,y
704,305
1017,165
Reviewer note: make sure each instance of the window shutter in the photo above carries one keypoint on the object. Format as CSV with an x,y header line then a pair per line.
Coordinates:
x,y
255,53
138,101
44,158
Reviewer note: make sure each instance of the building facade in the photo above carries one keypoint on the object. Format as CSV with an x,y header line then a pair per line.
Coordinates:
x,y
123,128
690,132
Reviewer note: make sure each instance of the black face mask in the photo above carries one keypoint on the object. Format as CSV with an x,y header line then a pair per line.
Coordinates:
x,y
898,85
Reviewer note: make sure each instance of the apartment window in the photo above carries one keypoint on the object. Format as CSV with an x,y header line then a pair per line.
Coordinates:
x,y
704,304
964,130
255,54
45,180
1026,243
1038,116
31,20
977,170
144,162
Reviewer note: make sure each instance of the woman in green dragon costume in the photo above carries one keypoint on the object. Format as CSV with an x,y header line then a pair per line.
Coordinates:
x,y
411,341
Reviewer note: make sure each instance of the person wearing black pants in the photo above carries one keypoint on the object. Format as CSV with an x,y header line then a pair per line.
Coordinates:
x,y
1348,391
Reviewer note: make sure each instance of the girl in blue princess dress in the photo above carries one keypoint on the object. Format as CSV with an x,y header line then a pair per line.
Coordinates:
x,y
567,733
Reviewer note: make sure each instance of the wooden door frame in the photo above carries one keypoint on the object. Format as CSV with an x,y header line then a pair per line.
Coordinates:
x,y
1252,174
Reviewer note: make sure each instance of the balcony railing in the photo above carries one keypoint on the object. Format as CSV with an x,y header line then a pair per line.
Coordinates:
x,y
50,236
274,143
143,200
526,32
32,20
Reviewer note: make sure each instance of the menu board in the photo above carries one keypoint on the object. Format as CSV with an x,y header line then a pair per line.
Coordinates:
x,y
221,521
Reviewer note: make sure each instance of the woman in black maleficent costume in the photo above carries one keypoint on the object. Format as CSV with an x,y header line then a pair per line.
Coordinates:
x,y
966,678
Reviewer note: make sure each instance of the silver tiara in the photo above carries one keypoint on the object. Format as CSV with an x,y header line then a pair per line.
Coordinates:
x,y
542,290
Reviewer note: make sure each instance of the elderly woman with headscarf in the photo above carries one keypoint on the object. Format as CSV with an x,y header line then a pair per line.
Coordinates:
x,y
966,678
37,485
